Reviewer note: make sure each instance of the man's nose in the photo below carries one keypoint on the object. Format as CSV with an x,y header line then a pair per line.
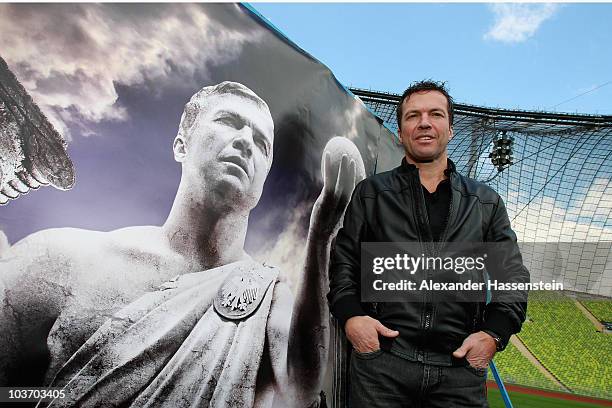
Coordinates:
x,y
244,141
424,123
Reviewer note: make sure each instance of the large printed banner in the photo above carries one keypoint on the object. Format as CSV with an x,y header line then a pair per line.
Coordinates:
x,y
184,261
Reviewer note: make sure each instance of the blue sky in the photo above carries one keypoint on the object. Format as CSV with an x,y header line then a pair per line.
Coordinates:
x,y
527,56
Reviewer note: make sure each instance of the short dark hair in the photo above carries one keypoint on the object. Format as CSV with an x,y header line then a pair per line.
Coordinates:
x,y
426,85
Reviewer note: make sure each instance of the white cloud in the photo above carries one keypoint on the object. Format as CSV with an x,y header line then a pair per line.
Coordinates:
x,y
515,23
353,117
545,221
577,259
72,57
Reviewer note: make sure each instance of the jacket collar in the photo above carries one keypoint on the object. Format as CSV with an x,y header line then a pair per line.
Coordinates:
x,y
406,167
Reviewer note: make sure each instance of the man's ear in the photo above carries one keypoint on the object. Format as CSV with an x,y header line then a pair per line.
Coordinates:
x,y
180,149
451,134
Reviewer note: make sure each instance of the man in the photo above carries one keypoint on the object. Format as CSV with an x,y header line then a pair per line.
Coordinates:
x,y
177,315
423,354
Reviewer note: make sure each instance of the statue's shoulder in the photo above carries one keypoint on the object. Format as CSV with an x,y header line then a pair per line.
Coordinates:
x,y
54,244
139,232
143,238
51,255
42,268
60,267
68,257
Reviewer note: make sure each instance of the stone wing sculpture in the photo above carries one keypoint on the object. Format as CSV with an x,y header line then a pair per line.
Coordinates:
x,y
32,152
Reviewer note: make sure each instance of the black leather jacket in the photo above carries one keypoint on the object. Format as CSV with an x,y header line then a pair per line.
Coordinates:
x,y
390,207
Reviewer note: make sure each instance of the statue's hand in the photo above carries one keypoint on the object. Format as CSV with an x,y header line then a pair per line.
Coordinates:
x,y
338,185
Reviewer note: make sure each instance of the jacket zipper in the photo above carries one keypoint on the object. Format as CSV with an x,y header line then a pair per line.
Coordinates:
x,y
435,248
450,212
425,227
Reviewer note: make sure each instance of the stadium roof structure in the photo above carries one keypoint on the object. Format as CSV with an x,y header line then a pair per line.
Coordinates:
x,y
557,190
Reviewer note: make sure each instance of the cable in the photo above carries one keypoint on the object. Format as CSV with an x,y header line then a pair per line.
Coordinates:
x,y
584,93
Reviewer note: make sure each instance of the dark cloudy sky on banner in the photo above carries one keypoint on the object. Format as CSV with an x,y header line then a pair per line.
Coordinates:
x,y
114,78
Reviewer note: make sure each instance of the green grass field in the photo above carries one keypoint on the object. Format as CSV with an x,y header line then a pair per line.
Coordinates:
x,y
520,400
514,368
568,345
601,309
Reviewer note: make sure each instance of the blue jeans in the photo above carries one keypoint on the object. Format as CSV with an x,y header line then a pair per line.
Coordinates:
x,y
381,379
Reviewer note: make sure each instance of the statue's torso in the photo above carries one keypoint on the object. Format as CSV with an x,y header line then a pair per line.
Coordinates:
x,y
105,278
143,323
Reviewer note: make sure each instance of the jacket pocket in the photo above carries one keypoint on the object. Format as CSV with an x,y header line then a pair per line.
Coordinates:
x,y
479,372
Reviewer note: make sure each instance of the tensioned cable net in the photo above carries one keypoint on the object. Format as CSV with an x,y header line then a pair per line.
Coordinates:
x,y
557,190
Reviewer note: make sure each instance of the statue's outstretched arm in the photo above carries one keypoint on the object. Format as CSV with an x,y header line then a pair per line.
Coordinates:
x,y
309,331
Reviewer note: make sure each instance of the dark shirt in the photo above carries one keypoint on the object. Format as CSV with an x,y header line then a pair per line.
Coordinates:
x,y
438,204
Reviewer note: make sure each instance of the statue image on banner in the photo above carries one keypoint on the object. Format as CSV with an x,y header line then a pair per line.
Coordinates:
x,y
200,177
180,314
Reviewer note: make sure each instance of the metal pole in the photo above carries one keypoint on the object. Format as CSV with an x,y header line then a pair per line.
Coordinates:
x,y
500,385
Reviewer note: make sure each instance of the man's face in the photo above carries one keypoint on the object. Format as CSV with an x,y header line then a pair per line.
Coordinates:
x,y
425,129
229,151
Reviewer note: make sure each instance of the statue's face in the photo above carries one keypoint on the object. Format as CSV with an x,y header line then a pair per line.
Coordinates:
x,y
230,150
